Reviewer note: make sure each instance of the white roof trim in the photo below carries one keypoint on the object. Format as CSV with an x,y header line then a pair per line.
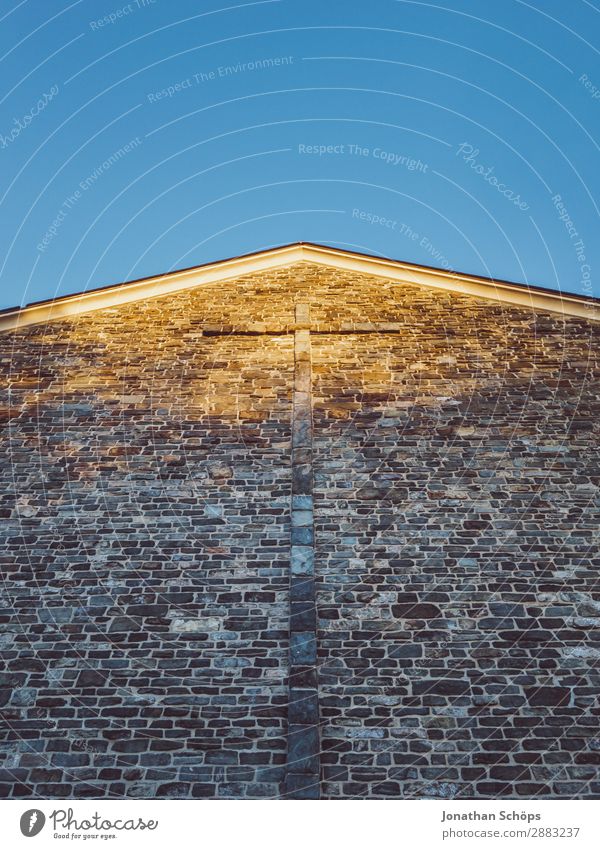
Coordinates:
x,y
400,272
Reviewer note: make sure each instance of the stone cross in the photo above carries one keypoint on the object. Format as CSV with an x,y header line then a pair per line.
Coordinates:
x,y
303,755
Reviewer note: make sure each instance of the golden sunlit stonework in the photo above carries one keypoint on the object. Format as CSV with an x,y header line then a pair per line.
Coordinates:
x,y
303,524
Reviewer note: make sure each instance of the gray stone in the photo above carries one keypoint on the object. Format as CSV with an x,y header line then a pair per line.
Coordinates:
x,y
302,560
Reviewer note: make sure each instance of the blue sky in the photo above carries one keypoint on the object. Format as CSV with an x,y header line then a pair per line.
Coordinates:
x,y
141,137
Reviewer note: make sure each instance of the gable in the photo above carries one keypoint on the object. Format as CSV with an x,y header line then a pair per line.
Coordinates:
x,y
533,299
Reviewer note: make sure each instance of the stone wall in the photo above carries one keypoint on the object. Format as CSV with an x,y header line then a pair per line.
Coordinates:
x,y
146,486
145,561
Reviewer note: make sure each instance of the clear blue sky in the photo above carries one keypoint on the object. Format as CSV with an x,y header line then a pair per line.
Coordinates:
x,y
141,137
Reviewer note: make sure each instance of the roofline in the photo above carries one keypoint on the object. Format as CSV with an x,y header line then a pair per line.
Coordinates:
x,y
518,294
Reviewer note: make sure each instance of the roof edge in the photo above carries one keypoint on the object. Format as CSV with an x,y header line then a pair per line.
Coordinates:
x,y
517,294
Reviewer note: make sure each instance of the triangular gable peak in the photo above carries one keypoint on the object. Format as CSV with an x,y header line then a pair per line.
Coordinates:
x,y
533,298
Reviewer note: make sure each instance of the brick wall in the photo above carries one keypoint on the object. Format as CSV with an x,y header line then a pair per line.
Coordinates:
x,y
146,484
146,557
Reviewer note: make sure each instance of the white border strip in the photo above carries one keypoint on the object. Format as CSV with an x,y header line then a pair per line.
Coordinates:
x,y
510,823
178,281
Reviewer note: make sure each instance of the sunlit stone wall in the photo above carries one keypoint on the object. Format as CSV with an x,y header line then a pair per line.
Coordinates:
x,y
146,482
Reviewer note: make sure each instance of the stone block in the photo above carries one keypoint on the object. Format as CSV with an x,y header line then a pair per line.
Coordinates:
x,y
302,518
124,624
303,749
548,696
200,625
91,678
302,589
302,536
303,648
302,430
302,560
416,611
303,707
302,786
302,677
440,687
303,616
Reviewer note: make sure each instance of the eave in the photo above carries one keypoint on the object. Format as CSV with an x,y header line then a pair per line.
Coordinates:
x,y
535,299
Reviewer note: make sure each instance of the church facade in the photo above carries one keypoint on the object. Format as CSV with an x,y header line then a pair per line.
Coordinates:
x,y
302,524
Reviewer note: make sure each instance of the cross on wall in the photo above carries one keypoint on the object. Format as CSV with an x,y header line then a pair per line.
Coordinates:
x,y
303,754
